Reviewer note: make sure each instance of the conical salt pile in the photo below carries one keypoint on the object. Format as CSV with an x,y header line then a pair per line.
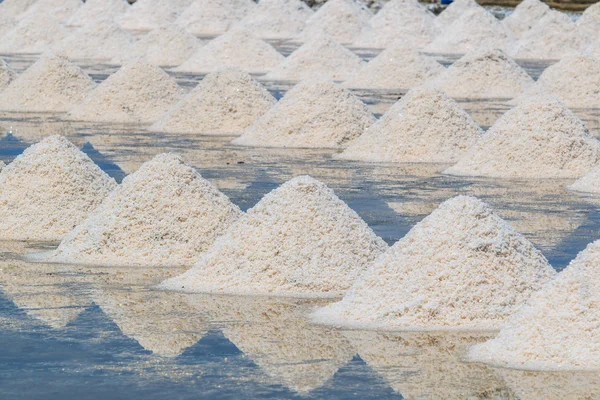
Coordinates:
x,y
484,73
60,10
224,102
52,84
558,328
14,8
341,19
396,67
138,92
7,75
462,267
93,9
163,214
589,22
525,16
277,19
48,189
319,57
425,125
33,34
589,183
238,48
213,17
453,12
299,240
145,15
540,138
314,113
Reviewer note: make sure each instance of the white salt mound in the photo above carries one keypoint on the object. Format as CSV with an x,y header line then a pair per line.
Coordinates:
x,y
525,16
298,240
7,75
314,113
453,12
94,9
48,189
277,19
52,84
589,183
137,93
33,34
425,125
224,102
163,214
589,22
213,17
14,8
539,138
462,267
145,15
60,10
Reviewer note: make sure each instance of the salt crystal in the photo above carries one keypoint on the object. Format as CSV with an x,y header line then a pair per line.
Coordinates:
x,y
525,16
277,19
213,17
93,9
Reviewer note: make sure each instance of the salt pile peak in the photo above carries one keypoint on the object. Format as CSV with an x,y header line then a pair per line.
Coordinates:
x,y
163,214
589,22
92,9
525,16
33,34
227,101
213,17
145,15
48,189
7,75
462,267
453,12
314,113
138,92
425,125
14,8
277,19
298,240
539,138
59,10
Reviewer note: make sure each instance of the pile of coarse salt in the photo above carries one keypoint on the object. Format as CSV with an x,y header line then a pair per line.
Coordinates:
x,y
589,183
314,113
453,12
277,19
94,9
299,240
236,47
7,75
213,17
52,84
163,214
539,138
59,10
14,8
589,22
145,15
425,125
138,92
227,101
48,189
462,267
525,16
33,34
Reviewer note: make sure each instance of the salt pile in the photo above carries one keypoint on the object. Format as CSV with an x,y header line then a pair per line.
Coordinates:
x,y
93,9
224,102
59,10
277,19
453,12
138,92
52,84
540,138
6,24
298,240
314,113
589,183
462,267
14,8
425,125
33,34
319,57
589,22
525,16
145,15
558,328
484,73
396,67
7,75
238,48
48,189
206,17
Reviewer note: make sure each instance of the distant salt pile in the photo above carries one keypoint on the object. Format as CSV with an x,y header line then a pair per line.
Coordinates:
x,y
145,15
319,57
314,113
137,93
462,267
423,126
525,16
206,17
224,102
94,9
540,138
7,75
33,34
589,183
277,19
453,12
14,8
238,48
325,247
52,84
60,10
589,22
48,189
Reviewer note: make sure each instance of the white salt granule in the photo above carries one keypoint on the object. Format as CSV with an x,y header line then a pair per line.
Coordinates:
x,y
525,16
299,240
425,125
164,214
462,267
138,92
52,84
7,75
33,34
59,10
589,183
453,12
224,102
145,15
213,17
277,19
321,57
94,9
484,73
14,8
589,22
314,113
539,138
49,189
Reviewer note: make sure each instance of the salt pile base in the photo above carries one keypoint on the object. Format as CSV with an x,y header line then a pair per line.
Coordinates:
x,y
589,22
145,15
298,240
59,10
525,16
7,75
33,34
425,125
453,12
48,189
209,18
314,113
462,267
94,9
277,19
589,183
14,8
224,102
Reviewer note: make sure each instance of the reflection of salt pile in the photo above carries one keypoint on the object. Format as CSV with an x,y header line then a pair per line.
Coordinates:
x,y
298,240
314,113
93,9
52,84
589,183
534,385
48,189
453,12
14,8
235,48
589,22
60,10
213,17
33,34
163,214
138,92
540,138
7,75
224,102
277,19
525,16
424,126
462,267
145,15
